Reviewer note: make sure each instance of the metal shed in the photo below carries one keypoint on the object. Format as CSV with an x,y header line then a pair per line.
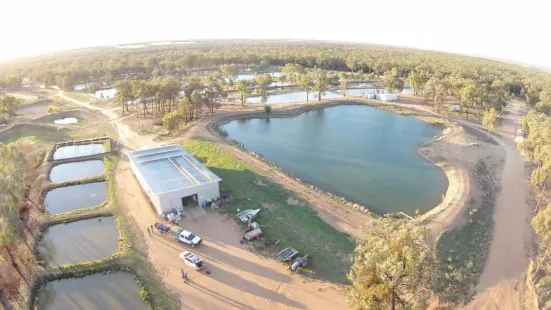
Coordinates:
x,y
170,177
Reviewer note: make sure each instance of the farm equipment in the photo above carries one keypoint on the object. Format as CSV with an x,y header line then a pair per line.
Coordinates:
x,y
286,255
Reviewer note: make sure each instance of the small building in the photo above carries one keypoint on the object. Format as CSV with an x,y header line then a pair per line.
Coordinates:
x,y
172,178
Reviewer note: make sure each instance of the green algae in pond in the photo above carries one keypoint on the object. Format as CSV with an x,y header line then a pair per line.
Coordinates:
x,y
85,240
69,198
115,291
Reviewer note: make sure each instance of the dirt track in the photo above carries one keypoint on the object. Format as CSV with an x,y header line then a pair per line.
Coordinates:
x,y
502,282
242,280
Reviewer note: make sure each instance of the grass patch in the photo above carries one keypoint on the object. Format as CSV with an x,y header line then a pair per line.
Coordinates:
x,y
79,96
34,134
461,253
297,226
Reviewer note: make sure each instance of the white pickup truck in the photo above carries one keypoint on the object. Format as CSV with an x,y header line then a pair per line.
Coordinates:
x,y
184,236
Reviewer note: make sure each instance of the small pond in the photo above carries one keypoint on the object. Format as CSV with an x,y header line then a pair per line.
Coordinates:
x,y
72,151
76,170
293,97
66,121
85,240
114,291
69,198
364,154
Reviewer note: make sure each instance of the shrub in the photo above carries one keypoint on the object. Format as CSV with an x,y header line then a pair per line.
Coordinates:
x,y
267,108
53,108
170,121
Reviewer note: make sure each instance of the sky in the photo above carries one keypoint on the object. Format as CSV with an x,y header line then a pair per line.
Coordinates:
x,y
504,29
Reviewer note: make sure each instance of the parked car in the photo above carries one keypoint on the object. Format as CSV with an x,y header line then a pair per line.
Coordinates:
x,y
178,234
192,260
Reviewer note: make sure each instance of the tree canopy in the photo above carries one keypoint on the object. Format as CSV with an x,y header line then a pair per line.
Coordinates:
x,y
392,267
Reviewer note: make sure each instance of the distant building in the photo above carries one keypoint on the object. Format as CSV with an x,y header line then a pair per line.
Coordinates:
x,y
172,178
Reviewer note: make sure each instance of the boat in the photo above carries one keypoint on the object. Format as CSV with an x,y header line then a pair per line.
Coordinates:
x,y
247,215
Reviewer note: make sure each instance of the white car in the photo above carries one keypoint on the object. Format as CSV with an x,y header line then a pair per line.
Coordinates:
x,y
192,260
189,238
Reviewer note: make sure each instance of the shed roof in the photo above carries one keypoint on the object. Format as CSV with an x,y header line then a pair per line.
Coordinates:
x,y
170,168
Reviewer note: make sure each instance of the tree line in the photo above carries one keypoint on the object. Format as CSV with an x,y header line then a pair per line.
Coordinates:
x,y
537,147
477,84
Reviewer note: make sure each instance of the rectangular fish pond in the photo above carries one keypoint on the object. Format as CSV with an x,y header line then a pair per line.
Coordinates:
x,y
72,151
74,197
76,170
80,241
114,291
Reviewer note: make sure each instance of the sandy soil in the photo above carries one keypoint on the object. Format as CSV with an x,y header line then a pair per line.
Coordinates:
x,y
239,278
242,280
502,282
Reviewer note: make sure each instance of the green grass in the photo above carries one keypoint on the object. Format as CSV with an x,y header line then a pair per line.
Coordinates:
x,y
33,134
79,96
42,137
297,226
461,252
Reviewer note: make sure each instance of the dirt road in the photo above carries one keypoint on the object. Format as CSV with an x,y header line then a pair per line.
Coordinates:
x,y
502,282
239,278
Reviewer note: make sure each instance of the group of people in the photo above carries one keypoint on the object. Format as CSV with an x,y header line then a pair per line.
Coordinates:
x,y
150,230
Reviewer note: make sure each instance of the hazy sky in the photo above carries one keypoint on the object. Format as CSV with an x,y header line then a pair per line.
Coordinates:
x,y
514,30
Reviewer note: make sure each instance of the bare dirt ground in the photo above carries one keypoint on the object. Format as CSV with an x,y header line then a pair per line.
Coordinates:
x,y
502,282
239,278
242,280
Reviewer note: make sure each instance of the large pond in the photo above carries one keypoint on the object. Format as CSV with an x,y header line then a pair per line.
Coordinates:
x,y
109,93
362,153
69,198
76,170
72,151
299,96
358,92
100,291
79,241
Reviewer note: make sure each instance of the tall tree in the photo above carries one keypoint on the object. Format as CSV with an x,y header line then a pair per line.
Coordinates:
x,y
415,82
490,120
243,87
393,81
8,104
321,82
229,72
305,82
344,87
392,267
263,81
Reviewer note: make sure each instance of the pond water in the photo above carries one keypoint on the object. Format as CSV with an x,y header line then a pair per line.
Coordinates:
x,y
66,121
72,151
293,97
362,153
106,93
112,291
79,241
77,170
249,76
69,198
359,91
